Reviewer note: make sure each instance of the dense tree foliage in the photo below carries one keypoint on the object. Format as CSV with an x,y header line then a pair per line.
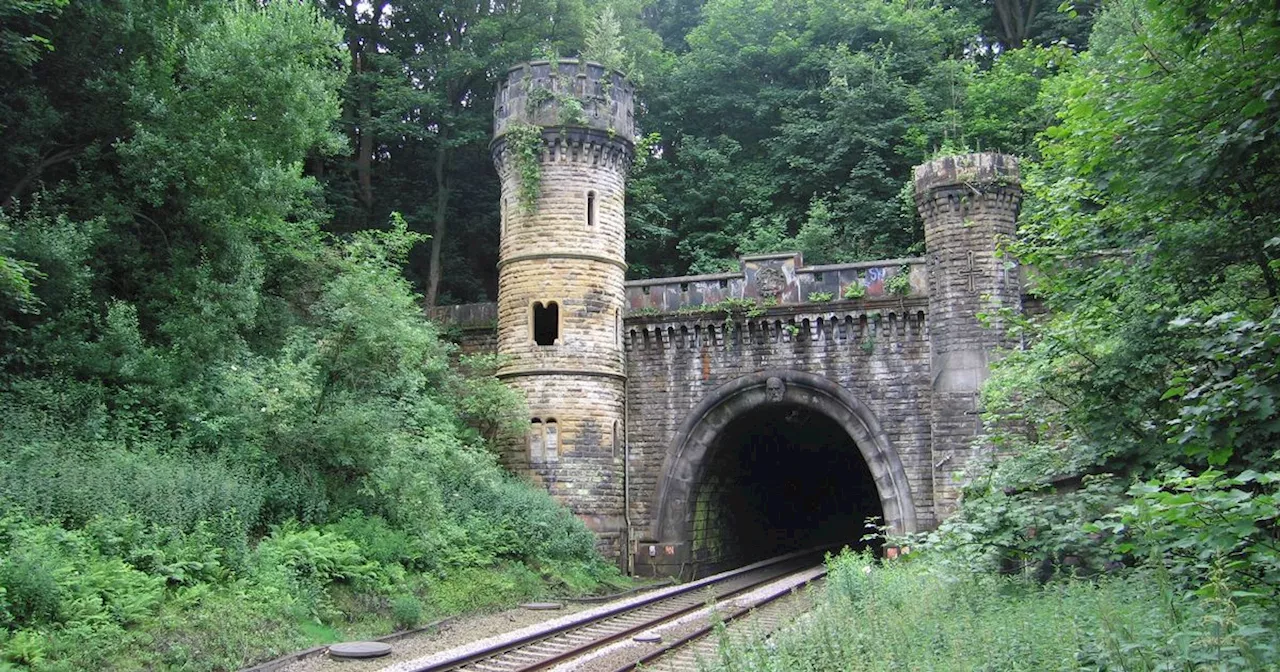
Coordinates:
x,y
222,411
1154,236
218,419
746,114
796,125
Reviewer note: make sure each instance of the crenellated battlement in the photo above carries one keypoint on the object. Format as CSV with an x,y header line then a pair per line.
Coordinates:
x,y
586,146
867,328
972,171
566,93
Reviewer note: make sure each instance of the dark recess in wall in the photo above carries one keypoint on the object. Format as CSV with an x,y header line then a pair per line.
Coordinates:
x,y
779,480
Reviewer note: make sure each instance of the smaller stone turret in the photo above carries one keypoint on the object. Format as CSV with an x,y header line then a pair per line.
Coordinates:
x,y
970,206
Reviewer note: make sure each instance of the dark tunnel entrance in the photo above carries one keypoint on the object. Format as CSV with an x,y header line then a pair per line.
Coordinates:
x,y
778,479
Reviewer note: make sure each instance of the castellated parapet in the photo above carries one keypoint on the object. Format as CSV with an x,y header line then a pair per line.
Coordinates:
x,y
560,280
970,205
542,93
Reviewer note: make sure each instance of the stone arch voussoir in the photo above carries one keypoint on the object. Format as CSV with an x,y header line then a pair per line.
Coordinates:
x,y
686,457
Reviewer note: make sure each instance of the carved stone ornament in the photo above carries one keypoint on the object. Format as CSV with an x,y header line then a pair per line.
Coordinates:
x,y
774,390
770,281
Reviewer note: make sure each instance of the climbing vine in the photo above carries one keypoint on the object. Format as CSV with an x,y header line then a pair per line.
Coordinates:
x,y
571,111
900,283
524,141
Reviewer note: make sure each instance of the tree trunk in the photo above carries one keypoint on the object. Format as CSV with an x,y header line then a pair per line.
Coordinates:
x,y
1015,20
438,231
363,92
364,153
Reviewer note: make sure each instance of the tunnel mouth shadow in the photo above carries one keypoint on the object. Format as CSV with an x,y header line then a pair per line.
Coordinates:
x,y
779,479
818,410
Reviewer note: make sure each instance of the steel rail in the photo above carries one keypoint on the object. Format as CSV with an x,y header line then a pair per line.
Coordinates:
x,y
645,625
499,649
667,649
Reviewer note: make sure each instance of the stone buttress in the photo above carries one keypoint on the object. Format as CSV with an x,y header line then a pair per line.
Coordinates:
x,y
560,282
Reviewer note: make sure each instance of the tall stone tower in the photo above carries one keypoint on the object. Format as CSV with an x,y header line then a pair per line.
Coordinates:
x,y
970,205
563,142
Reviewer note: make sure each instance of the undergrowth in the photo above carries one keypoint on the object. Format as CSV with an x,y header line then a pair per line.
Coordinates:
x,y
201,503
922,615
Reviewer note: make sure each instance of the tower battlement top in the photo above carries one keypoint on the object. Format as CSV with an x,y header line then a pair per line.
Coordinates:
x,y
984,168
575,93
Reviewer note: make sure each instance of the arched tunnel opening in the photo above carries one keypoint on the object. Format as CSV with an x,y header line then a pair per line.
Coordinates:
x,y
780,479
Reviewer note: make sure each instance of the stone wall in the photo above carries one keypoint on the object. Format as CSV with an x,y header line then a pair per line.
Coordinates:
x,y
877,350
782,279
473,326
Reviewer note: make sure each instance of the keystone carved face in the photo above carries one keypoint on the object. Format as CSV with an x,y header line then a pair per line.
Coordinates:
x,y
770,281
774,389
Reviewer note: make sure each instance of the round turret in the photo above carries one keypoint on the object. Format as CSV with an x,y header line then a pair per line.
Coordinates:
x,y
563,144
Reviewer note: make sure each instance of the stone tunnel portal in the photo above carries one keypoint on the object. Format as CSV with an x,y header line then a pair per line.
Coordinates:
x,y
769,463
779,479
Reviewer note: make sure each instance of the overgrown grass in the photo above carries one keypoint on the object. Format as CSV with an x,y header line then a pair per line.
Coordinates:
x,y
920,615
117,595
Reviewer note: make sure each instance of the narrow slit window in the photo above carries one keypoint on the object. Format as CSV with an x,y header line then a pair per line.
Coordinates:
x,y
552,440
546,323
536,451
591,208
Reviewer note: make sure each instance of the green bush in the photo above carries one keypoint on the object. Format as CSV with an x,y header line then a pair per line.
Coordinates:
x,y
75,485
316,557
406,610
30,592
50,575
921,615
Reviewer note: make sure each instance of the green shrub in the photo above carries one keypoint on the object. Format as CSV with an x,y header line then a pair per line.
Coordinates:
x,y
470,589
381,543
899,283
159,488
921,615
855,290
30,592
50,575
406,610
26,647
315,557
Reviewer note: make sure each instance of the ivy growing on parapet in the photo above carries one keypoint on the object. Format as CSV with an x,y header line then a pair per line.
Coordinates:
x,y
900,283
524,142
570,110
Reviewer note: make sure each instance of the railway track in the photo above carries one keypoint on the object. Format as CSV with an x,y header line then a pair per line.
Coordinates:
x,y
569,639
684,653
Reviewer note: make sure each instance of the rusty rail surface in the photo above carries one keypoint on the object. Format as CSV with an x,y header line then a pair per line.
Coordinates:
x,y
546,648
669,648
